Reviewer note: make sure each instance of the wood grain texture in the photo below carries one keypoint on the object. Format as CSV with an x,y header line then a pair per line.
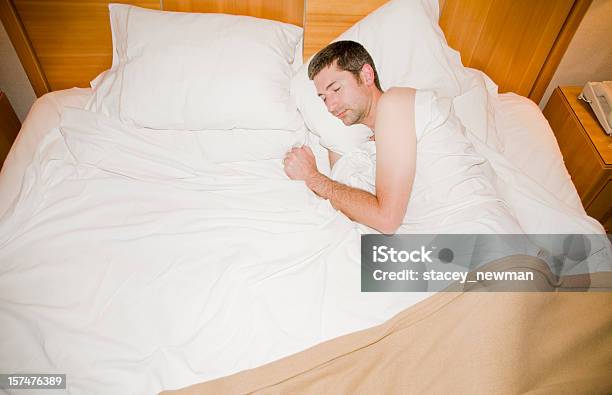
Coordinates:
x,y
601,207
508,40
583,155
23,47
558,50
71,38
516,42
9,126
326,20
598,137
289,11
511,41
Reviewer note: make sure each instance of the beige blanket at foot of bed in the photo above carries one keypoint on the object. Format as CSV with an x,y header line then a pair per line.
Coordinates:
x,y
462,343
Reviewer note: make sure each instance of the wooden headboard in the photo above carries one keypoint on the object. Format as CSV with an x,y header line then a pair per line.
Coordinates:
x,y
66,43
518,43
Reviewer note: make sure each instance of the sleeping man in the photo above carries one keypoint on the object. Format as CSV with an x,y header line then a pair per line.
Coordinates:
x,y
346,80
421,154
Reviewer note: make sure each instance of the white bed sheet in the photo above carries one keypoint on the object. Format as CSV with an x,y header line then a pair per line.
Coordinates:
x,y
142,269
43,116
530,144
132,277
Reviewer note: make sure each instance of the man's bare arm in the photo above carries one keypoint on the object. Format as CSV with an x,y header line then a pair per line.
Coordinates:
x,y
357,204
395,168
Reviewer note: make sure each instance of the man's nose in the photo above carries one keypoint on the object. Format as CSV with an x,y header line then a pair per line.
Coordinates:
x,y
332,104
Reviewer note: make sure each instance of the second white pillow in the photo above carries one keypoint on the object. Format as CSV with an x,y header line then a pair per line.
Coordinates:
x,y
409,49
194,71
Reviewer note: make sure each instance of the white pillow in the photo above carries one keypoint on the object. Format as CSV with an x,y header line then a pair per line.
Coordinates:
x,y
190,71
332,133
409,49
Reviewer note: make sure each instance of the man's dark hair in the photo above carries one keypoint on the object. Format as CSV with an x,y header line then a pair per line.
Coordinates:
x,y
348,55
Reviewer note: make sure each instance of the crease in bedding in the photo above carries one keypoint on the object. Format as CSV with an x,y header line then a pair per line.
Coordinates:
x,y
127,264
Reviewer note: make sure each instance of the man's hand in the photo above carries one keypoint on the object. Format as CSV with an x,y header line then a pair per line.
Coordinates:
x,y
300,164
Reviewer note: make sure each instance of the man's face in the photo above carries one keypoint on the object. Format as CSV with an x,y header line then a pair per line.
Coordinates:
x,y
345,97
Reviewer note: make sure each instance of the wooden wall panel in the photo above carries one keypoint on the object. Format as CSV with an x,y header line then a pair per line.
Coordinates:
x,y
509,41
326,20
71,38
289,11
518,43
558,50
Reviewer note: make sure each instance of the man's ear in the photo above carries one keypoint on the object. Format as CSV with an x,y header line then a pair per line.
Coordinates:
x,y
367,74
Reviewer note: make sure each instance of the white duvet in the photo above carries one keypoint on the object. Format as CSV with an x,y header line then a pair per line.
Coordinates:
x,y
131,265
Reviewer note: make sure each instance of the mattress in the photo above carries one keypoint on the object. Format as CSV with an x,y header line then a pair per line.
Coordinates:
x,y
148,269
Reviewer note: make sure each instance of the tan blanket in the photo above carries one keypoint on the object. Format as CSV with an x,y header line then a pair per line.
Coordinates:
x,y
463,343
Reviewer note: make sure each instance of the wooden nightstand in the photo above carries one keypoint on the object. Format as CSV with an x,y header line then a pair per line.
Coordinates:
x,y
586,149
9,126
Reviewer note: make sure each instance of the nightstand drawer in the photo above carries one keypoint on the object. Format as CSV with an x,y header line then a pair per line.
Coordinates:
x,y
581,160
586,150
600,206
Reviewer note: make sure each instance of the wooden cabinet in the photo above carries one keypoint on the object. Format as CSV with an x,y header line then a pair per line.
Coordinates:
x,y
586,149
9,126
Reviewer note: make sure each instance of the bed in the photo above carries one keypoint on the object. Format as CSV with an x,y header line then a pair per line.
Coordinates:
x,y
139,254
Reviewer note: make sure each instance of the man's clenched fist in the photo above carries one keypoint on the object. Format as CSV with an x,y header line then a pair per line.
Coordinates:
x,y
300,163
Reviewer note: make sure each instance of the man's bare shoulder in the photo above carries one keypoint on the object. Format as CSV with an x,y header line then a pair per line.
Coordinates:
x,y
398,93
396,99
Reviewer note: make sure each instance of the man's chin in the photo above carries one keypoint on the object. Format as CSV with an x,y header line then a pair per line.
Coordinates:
x,y
346,120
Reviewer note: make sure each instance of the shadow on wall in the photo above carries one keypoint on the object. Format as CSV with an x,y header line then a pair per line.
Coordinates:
x,y
589,54
13,79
